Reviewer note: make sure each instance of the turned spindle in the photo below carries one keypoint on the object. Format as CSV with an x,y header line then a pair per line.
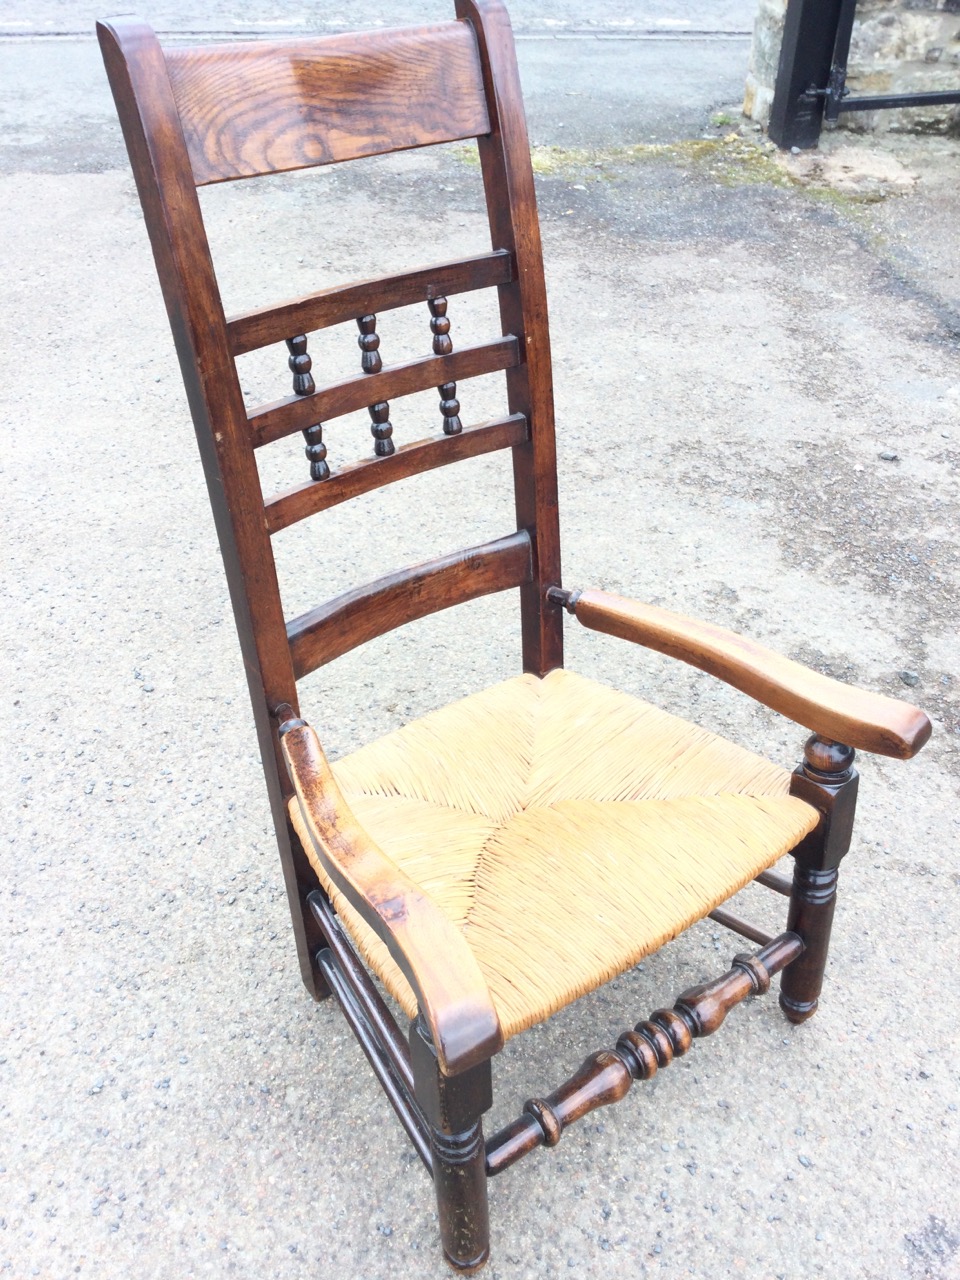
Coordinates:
x,y
303,385
370,362
606,1076
442,346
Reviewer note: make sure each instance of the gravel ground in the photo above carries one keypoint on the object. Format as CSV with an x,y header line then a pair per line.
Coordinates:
x,y
733,357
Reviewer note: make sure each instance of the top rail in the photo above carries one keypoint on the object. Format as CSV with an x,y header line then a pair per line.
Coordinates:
x,y
252,108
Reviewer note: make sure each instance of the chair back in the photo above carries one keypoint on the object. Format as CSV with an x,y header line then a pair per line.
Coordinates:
x,y
211,114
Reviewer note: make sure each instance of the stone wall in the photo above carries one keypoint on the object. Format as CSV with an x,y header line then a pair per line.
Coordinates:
x,y
898,46
764,59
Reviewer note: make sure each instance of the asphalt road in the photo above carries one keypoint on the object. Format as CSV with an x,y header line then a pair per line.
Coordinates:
x,y
584,84
612,17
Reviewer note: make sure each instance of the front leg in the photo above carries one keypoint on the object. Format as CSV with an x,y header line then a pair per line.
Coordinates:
x,y
827,780
453,1106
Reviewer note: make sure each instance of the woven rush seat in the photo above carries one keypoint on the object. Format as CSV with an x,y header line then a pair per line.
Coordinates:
x,y
566,828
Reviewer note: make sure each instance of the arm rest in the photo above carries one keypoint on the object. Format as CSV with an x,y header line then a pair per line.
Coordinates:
x,y
868,721
430,950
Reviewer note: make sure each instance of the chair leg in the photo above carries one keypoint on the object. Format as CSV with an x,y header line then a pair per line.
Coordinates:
x,y
827,780
453,1106
812,901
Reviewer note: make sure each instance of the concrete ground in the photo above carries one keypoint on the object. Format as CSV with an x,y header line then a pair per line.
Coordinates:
x,y
758,389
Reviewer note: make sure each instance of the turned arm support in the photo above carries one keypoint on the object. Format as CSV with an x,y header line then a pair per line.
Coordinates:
x,y
431,952
839,712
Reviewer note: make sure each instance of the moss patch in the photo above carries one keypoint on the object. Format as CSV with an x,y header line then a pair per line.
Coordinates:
x,y
731,160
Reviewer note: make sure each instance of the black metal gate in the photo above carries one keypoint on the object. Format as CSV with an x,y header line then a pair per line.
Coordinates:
x,y
811,79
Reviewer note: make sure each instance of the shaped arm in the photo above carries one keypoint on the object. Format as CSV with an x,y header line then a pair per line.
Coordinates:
x,y
430,950
840,712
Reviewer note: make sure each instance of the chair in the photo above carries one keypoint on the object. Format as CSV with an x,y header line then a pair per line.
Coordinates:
x,y
495,860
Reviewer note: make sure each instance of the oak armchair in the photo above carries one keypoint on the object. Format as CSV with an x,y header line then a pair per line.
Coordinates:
x,y
493,861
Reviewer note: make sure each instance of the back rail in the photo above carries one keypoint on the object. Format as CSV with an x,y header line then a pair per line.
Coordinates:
x,y
260,328
250,109
285,509
296,413
348,620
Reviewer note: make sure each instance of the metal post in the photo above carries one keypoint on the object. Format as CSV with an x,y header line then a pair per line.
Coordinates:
x,y
837,83
806,57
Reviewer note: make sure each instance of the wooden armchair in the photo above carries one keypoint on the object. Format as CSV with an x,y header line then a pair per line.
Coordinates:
x,y
495,860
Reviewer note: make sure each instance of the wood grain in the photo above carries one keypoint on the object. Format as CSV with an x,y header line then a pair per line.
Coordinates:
x,y
249,109
217,113
409,460
867,721
339,625
274,421
431,952
252,329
